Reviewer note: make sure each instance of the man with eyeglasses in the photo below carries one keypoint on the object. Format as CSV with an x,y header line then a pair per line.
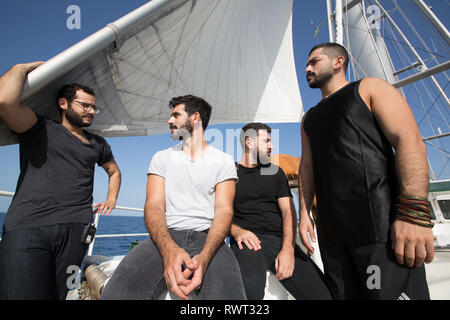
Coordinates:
x,y
44,232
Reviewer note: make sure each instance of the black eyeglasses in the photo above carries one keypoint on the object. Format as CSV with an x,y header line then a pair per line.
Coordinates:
x,y
87,106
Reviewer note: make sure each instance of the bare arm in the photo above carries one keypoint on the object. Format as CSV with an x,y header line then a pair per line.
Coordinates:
x,y
285,262
115,178
289,218
220,227
155,220
154,213
17,116
396,120
223,214
306,193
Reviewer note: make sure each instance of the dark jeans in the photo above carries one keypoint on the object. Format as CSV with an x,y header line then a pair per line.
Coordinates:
x,y
306,282
371,272
34,261
140,274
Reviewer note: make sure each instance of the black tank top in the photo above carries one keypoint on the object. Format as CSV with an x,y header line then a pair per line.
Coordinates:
x,y
354,174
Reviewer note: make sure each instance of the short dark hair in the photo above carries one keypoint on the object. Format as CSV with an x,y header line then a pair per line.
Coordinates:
x,y
69,91
333,50
193,104
251,130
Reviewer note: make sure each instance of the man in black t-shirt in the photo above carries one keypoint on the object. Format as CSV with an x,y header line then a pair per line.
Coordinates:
x,y
43,228
264,224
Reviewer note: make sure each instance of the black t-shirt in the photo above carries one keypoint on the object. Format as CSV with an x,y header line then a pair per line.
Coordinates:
x,y
56,176
256,201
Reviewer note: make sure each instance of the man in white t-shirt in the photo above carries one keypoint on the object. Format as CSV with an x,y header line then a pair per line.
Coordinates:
x,y
188,213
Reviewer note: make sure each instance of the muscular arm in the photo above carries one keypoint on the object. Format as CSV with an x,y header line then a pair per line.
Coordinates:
x,y
399,126
223,214
17,116
220,227
154,213
155,220
411,242
115,178
306,193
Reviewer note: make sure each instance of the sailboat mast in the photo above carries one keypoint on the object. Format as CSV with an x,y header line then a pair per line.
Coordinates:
x,y
434,20
330,21
413,50
339,28
370,56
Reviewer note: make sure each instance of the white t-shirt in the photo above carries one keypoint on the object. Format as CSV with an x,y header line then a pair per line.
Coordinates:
x,y
190,185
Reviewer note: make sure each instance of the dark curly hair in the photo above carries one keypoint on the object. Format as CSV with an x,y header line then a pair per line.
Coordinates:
x,y
193,104
69,91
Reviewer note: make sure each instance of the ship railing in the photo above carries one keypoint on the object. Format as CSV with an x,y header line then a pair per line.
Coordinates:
x,y
439,220
96,222
98,236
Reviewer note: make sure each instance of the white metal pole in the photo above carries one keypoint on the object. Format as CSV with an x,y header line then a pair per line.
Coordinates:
x,y
6,194
339,29
91,245
434,20
330,21
405,39
70,58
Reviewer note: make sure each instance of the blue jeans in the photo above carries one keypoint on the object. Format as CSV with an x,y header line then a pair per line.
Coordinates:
x,y
34,262
140,275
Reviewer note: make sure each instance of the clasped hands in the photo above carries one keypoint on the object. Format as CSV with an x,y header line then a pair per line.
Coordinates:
x,y
182,273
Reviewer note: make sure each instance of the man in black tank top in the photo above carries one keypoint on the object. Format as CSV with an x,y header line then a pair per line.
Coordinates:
x,y
370,248
42,241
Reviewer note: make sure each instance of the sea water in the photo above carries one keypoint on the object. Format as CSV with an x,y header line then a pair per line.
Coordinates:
x,y
112,225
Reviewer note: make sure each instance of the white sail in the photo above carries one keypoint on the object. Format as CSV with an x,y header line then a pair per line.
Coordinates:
x,y
238,55
367,49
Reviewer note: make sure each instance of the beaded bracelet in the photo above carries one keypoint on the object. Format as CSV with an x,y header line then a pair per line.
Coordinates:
x,y
413,209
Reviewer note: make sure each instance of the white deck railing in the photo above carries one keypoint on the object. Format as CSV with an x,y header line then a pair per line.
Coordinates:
x,y
97,219
96,222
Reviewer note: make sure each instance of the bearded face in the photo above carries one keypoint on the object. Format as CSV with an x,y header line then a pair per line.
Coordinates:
x,y
319,69
76,119
180,124
181,131
319,79
80,110
262,147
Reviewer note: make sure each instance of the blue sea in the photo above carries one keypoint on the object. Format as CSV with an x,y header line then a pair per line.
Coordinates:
x,y
113,225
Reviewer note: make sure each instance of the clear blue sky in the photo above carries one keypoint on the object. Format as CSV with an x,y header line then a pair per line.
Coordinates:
x,y
36,30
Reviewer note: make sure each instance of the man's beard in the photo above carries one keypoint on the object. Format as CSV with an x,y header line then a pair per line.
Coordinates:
x,y
75,119
183,132
263,158
318,81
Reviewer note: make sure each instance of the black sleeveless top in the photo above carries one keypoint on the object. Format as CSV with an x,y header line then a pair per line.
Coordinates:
x,y
354,174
